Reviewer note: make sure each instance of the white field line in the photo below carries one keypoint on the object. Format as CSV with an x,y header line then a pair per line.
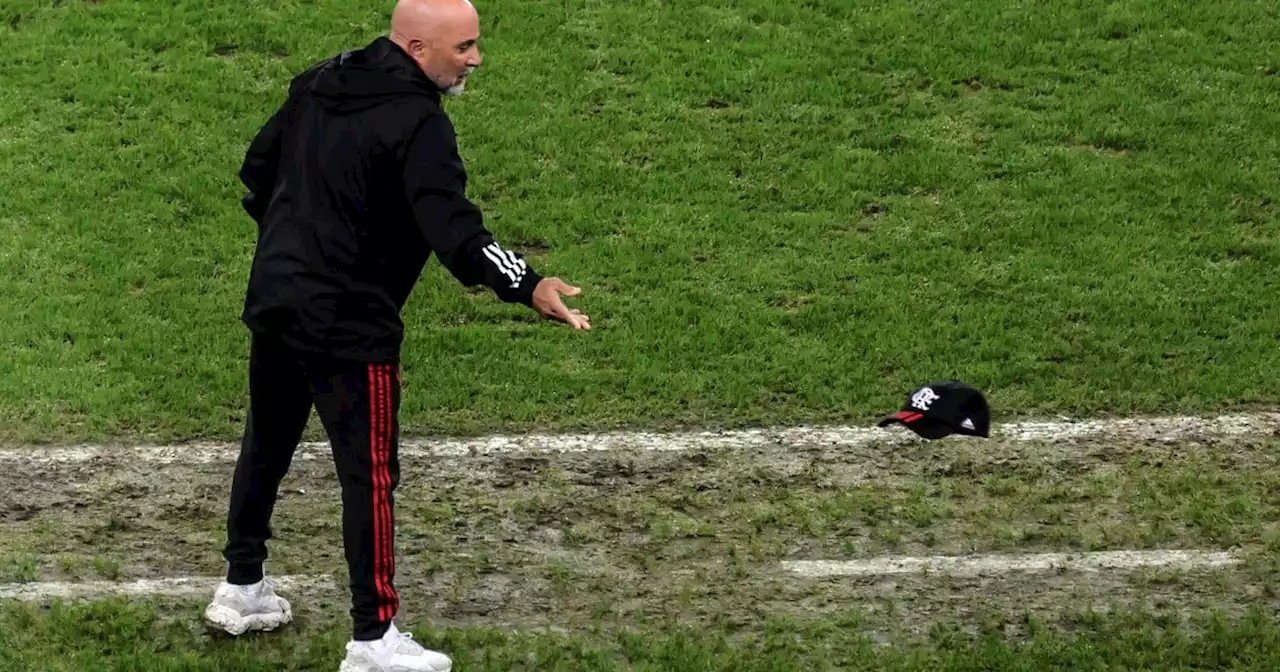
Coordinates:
x,y
177,586
986,565
1158,429
973,565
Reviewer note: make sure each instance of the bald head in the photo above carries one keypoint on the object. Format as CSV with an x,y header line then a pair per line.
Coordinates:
x,y
441,36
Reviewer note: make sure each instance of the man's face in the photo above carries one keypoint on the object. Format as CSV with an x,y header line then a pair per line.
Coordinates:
x,y
450,55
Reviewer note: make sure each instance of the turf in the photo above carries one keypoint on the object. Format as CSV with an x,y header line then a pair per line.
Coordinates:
x,y
778,213
120,636
616,540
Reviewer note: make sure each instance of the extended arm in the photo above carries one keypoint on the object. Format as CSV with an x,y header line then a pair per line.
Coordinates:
x,y
435,183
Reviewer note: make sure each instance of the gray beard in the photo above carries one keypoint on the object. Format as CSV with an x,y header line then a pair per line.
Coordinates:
x,y
457,89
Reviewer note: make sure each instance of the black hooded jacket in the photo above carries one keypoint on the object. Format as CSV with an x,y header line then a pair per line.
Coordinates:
x,y
354,182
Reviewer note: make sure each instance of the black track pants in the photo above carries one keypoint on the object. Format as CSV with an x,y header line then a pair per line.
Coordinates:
x,y
358,405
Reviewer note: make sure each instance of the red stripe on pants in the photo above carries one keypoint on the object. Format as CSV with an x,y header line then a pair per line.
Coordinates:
x,y
384,500
374,431
382,411
377,438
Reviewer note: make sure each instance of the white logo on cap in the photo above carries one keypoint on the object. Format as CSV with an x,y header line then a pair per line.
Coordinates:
x,y
924,398
967,424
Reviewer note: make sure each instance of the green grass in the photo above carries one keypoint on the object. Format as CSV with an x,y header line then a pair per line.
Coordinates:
x,y
784,212
780,213
18,568
119,636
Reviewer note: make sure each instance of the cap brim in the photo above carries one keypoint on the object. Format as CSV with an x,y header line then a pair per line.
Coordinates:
x,y
905,417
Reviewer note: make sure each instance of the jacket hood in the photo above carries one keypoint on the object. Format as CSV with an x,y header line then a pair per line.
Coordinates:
x,y
368,77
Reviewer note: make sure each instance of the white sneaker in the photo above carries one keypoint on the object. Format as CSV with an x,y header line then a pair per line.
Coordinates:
x,y
395,652
239,609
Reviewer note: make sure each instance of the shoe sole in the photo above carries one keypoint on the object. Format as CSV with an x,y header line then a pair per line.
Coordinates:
x,y
232,623
353,666
361,667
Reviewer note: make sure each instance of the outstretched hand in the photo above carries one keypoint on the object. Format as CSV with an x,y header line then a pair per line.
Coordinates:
x,y
546,300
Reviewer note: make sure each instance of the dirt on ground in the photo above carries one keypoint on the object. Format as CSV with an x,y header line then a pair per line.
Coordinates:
x,y
696,537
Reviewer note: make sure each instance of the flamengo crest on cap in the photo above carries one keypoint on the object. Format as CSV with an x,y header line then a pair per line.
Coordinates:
x,y
924,398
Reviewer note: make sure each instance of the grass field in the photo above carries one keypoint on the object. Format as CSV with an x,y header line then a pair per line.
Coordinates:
x,y
780,213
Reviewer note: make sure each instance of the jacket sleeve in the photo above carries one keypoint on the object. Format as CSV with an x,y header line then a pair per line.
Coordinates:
x,y
258,171
435,182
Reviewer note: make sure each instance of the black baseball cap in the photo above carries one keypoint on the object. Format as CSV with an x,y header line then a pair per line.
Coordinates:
x,y
943,408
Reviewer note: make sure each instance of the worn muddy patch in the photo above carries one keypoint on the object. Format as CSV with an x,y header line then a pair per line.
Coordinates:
x,y
694,536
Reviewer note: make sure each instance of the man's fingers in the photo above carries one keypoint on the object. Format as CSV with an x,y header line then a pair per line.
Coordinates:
x,y
574,318
564,288
553,307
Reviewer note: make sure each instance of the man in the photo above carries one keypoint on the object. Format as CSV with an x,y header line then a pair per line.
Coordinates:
x,y
353,183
